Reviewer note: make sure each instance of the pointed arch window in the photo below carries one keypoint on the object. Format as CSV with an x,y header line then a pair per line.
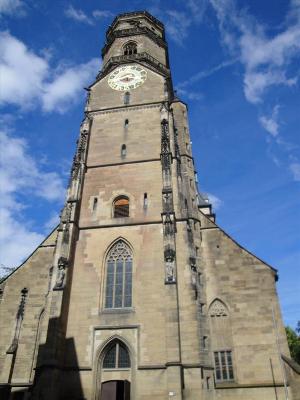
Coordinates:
x,y
130,48
116,356
218,309
121,207
118,292
221,341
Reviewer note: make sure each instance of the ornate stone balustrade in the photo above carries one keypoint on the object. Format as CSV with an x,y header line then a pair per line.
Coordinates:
x,y
134,57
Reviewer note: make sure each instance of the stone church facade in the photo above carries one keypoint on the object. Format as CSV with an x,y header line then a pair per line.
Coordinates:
x,y
138,293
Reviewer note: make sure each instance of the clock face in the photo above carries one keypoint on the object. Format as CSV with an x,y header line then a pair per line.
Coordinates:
x,y
127,77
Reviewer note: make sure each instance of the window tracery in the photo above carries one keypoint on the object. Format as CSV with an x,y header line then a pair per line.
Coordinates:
x,y
218,309
116,356
118,293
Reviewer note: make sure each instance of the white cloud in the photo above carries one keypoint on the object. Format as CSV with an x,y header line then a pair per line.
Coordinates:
x,y
52,222
189,94
98,14
206,73
27,80
265,59
197,8
270,124
66,87
17,239
295,169
22,72
214,200
78,15
12,8
21,178
177,24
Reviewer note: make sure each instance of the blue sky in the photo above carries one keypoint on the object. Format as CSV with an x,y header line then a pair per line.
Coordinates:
x,y
236,64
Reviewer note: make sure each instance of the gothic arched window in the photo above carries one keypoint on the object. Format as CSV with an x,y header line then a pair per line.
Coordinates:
x,y
118,292
221,341
218,309
121,206
130,48
116,356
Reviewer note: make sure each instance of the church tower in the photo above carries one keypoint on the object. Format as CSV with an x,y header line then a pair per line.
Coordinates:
x,y
138,294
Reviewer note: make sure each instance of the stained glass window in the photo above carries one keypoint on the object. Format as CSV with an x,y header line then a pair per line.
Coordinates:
x,y
116,356
119,277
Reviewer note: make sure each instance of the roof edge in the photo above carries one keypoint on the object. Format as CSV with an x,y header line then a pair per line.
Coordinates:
x,y
243,248
30,255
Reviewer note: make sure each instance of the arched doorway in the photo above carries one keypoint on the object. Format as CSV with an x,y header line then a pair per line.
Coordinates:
x,y
115,372
115,390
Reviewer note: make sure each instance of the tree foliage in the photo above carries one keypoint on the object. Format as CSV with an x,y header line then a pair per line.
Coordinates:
x,y
293,338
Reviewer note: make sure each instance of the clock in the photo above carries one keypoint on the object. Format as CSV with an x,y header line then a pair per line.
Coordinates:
x,y
127,77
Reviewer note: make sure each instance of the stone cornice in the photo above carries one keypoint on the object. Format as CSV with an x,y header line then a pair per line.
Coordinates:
x,y
143,58
137,30
135,14
124,108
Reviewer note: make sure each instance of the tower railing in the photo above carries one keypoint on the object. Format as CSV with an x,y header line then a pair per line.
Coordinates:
x,y
133,57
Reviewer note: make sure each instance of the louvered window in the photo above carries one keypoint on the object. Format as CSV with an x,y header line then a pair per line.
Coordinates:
x,y
121,207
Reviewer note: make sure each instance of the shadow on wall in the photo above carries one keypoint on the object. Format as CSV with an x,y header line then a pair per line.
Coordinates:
x,y
57,371
57,375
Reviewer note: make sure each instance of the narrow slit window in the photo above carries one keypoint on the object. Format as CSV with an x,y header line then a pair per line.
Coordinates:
x,y
95,203
201,308
145,200
199,278
126,123
123,151
208,383
126,98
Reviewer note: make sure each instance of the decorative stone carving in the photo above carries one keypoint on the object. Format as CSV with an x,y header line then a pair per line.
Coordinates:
x,y
120,251
167,201
169,224
170,272
169,254
144,59
61,273
218,309
19,318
